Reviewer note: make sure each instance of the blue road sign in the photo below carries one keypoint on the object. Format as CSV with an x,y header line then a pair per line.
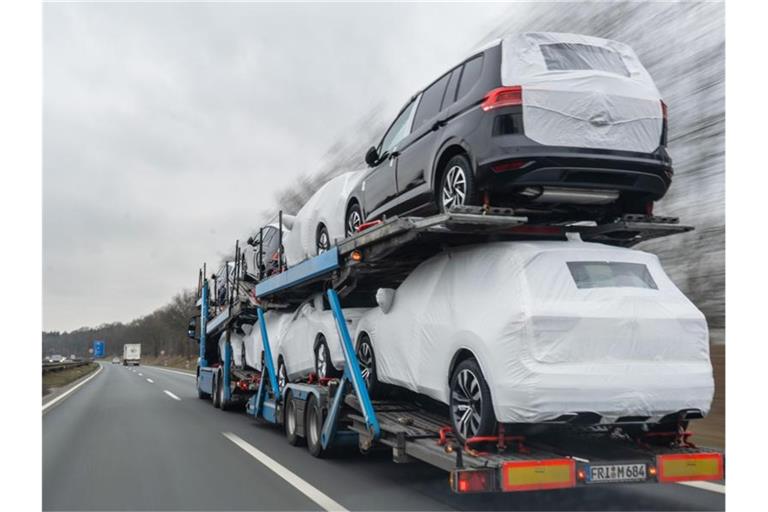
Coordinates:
x,y
98,349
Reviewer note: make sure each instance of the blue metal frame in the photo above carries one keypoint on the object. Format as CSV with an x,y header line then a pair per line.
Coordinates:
x,y
227,369
301,273
203,322
353,375
267,355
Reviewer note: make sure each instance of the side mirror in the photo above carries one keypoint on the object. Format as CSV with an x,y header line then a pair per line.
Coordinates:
x,y
191,328
372,157
385,297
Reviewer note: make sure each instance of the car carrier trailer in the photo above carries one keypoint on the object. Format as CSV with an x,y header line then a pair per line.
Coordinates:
x,y
328,414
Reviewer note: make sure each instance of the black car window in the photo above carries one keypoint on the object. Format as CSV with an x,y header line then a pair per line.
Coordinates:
x,y
610,274
470,75
430,102
576,56
399,129
450,91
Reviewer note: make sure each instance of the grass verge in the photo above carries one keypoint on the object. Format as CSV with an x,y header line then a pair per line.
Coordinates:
x,y
53,380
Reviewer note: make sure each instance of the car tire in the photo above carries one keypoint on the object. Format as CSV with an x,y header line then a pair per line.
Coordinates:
x,y
353,219
282,375
322,239
323,364
291,421
457,184
367,360
470,405
313,427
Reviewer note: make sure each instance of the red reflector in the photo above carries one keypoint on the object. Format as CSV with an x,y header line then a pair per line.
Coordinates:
x,y
509,166
503,97
689,466
664,110
366,225
473,481
538,475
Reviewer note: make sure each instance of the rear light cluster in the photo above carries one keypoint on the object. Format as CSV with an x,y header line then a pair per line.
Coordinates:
x,y
503,97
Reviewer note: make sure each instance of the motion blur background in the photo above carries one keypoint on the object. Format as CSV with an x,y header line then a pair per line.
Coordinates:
x,y
681,44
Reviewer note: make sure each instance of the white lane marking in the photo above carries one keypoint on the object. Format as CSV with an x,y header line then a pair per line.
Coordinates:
x,y
286,474
70,391
141,374
171,394
150,381
707,486
174,371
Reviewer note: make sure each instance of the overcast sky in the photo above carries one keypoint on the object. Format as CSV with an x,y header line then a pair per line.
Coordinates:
x,y
169,128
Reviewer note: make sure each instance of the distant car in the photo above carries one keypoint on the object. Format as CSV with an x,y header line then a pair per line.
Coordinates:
x,y
56,358
115,360
558,126
544,331
319,224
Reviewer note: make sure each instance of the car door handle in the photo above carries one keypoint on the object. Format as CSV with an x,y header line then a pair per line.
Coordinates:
x,y
438,125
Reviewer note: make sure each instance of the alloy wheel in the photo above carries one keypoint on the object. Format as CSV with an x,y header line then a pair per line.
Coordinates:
x,y
354,219
467,403
282,377
454,190
365,358
323,240
322,363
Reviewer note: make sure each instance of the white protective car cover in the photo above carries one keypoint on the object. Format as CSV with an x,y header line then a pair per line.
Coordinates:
x,y
276,322
586,92
545,346
297,341
326,206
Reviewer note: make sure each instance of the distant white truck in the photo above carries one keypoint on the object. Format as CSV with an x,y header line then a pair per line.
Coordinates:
x,y
131,354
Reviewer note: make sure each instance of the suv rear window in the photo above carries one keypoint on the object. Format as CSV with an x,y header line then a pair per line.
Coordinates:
x,y
567,56
470,75
610,274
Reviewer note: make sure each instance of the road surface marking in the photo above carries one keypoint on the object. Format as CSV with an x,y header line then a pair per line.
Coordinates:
x,y
707,486
286,474
69,391
175,371
141,374
150,381
171,394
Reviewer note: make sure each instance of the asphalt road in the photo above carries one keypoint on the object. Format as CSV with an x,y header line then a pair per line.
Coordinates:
x,y
121,442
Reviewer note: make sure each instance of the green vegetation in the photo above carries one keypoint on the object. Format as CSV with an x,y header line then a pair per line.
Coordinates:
x,y
64,377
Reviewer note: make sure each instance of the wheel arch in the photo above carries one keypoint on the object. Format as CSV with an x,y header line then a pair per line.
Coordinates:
x,y
450,148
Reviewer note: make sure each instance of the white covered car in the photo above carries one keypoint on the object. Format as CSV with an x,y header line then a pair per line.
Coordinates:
x,y
320,222
530,332
302,341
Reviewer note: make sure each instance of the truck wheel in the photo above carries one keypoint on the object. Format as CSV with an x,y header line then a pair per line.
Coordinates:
x,y
291,421
323,364
200,393
216,392
313,427
470,405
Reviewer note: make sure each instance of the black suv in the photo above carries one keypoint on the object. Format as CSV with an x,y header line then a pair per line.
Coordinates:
x,y
467,139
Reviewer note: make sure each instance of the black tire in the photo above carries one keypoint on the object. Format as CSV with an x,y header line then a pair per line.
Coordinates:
x,y
216,392
366,357
314,418
291,421
353,219
457,185
322,239
323,364
470,405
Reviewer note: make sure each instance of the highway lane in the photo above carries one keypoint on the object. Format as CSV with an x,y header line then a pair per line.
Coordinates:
x,y
122,442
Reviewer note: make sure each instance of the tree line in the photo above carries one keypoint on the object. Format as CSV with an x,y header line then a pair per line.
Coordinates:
x,y
164,331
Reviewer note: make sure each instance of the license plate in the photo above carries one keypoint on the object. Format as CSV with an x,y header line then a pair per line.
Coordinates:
x,y
616,473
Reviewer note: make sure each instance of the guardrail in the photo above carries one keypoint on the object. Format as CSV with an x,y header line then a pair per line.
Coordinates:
x,y
57,367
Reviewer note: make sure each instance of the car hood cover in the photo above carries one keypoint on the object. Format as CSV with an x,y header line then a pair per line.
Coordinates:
x,y
581,91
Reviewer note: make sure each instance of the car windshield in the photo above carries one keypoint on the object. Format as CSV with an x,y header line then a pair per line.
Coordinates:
x,y
611,274
576,56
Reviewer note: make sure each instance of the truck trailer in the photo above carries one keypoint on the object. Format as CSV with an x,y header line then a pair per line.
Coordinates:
x,y
338,413
132,354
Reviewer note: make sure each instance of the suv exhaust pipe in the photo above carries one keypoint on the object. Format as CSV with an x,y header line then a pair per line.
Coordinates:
x,y
569,195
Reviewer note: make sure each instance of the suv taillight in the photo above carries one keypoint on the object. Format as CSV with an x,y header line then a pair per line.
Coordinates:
x,y
503,97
